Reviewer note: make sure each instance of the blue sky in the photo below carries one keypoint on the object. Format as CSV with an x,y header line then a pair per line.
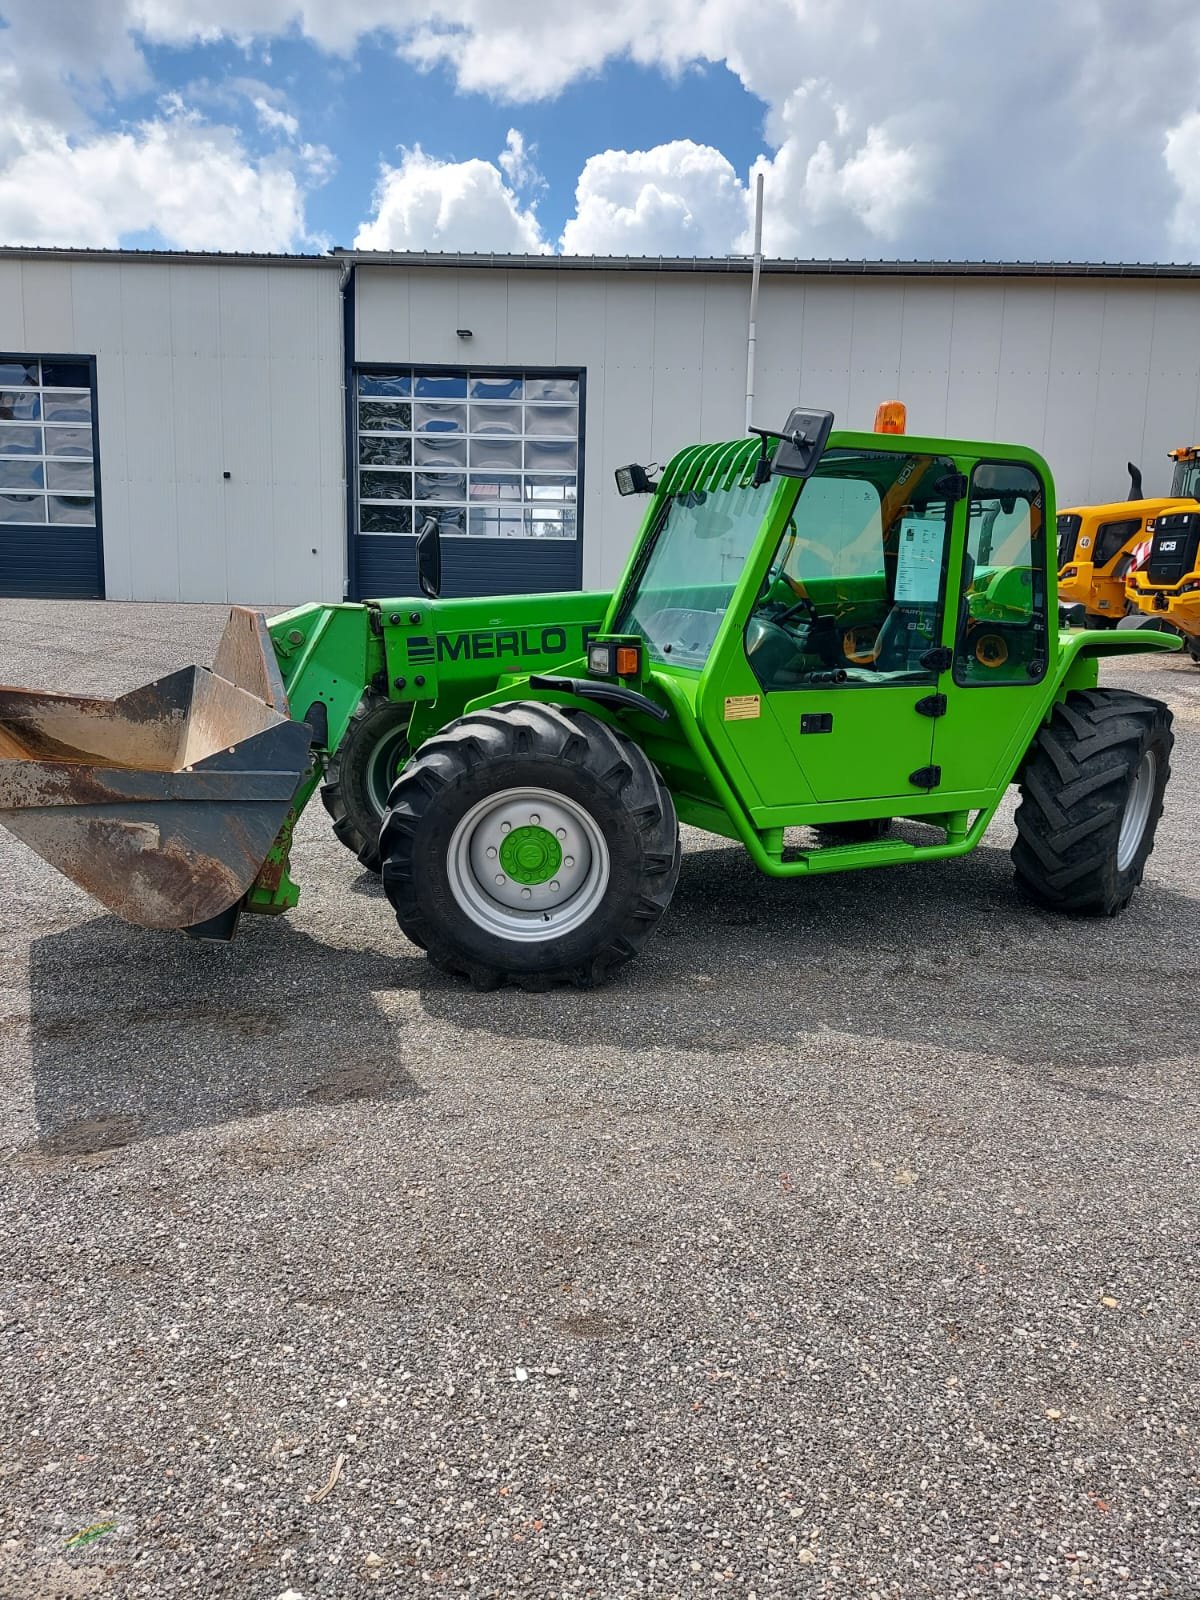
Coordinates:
x,y
906,128
367,108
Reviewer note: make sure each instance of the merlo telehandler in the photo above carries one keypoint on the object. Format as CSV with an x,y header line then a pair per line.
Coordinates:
x,y
818,631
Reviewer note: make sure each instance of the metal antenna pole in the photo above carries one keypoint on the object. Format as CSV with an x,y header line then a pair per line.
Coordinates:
x,y
752,338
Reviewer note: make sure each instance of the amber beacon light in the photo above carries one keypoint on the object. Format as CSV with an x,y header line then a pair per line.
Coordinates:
x,y
891,417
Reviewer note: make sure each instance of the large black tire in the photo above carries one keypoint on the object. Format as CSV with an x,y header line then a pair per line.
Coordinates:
x,y
360,773
590,778
1193,649
1091,796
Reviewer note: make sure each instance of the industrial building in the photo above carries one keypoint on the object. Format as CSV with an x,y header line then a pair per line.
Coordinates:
x,y
272,429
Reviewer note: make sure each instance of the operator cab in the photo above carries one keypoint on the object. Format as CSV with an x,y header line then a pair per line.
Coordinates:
x,y
1185,481
856,590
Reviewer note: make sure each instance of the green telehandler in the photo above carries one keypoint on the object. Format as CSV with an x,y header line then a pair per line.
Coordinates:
x,y
824,631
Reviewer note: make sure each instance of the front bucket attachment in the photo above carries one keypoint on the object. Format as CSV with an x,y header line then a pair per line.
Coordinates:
x,y
164,803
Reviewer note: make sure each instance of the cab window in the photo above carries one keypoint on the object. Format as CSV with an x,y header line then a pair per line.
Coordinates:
x,y
1001,636
1111,536
854,592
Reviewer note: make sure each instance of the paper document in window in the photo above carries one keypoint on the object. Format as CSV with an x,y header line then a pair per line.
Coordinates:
x,y
919,564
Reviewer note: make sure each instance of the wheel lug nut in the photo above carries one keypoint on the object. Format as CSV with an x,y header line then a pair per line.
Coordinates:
x,y
506,827
491,852
560,833
554,886
534,818
526,894
568,861
500,878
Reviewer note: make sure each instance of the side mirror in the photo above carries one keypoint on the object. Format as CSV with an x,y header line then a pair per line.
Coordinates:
x,y
801,444
429,558
633,480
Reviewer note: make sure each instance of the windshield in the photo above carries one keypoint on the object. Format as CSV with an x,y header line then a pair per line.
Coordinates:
x,y
1187,480
678,600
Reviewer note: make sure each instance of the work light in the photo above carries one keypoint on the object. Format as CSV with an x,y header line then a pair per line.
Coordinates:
x,y
612,659
633,479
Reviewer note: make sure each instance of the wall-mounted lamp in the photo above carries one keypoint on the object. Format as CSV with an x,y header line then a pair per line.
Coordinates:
x,y
464,333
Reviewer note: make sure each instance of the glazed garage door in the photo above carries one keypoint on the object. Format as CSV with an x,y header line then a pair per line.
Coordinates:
x,y
49,492
495,456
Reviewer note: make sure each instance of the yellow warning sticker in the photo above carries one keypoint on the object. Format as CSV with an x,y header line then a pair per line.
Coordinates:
x,y
741,707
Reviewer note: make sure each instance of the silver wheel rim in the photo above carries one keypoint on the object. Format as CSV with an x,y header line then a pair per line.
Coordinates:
x,y
512,909
1137,810
383,768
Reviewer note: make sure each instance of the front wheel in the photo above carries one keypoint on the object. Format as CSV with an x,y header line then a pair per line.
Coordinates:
x,y
530,843
360,773
1091,796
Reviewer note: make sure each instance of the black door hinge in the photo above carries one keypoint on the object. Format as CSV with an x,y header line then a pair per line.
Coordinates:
x,y
938,659
933,705
925,777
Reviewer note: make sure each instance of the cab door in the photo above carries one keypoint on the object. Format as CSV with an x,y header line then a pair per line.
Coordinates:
x,y
844,647
1001,644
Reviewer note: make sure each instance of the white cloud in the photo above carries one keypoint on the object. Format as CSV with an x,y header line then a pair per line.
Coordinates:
x,y
920,127
64,181
841,189
273,119
191,182
1182,155
518,162
426,204
677,199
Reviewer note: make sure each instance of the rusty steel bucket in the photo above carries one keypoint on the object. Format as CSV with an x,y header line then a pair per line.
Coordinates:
x,y
165,802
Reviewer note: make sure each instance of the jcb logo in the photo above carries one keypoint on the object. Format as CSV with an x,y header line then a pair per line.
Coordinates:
x,y
493,645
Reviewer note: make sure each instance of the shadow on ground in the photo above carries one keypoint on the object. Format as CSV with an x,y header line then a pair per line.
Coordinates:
x,y
136,1034
940,954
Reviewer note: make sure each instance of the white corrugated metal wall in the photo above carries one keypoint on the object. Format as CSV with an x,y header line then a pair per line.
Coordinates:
x,y
203,368
1091,373
207,366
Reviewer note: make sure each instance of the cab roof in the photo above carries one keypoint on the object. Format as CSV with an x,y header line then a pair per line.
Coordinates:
x,y
1115,510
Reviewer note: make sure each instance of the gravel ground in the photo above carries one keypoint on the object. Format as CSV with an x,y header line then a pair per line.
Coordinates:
x,y
845,1245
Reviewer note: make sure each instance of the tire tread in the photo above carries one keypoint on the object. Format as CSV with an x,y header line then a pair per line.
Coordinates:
x,y
1074,786
523,729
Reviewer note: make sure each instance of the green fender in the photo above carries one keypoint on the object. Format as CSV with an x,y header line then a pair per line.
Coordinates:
x,y
1079,655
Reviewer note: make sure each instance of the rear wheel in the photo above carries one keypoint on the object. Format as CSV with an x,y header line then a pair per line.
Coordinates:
x,y
530,843
1091,796
361,773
